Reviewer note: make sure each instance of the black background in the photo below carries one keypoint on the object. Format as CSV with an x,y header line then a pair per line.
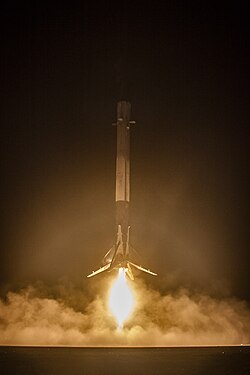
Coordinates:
x,y
184,66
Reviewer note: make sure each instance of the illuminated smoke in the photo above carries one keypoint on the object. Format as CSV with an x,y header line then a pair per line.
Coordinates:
x,y
34,318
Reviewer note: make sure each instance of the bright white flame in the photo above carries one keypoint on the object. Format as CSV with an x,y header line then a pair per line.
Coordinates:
x,y
121,300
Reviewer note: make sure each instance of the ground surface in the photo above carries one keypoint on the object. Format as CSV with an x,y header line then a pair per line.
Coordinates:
x,y
74,361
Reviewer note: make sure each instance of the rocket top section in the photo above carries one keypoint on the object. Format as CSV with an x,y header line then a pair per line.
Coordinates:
x,y
123,111
123,152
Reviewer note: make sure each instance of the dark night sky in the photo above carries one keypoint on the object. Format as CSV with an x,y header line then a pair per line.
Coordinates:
x,y
186,67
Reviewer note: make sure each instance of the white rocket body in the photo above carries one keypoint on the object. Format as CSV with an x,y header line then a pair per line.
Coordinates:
x,y
118,256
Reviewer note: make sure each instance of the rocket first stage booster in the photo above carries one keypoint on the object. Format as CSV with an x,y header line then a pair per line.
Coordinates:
x,y
119,255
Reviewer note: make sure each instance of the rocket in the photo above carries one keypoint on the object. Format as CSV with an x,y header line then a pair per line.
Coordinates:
x,y
119,256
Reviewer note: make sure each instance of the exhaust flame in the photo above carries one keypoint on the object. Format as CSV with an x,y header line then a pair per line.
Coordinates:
x,y
121,300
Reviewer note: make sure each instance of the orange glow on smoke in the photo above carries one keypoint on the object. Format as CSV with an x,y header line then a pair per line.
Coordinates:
x,y
121,299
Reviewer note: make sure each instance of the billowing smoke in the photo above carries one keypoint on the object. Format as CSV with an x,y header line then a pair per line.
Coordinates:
x,y
66,316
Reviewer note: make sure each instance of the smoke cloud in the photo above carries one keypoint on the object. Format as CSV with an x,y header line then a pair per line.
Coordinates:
x,y
67,316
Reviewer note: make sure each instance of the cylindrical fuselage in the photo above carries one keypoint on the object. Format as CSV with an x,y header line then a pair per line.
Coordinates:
x,y
123,165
